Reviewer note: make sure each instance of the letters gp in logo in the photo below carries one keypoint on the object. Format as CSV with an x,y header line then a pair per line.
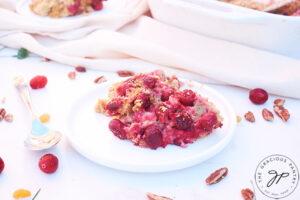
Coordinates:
x,y
276,176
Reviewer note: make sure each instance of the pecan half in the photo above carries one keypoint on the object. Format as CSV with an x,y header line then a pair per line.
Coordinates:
x,y
80,69
247,194
125,73
2,113
72,75
100,79
282,112
45,59
279,102
267,115
249,116
156,197
217,176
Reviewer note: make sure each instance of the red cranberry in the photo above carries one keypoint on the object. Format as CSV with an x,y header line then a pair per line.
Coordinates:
x,y
38,82
74,8
186,97
162,112
153,137
114,106
181,121
117,127
258,96
150,81
166,94
207,121
97,4
2,165
48,163
144,99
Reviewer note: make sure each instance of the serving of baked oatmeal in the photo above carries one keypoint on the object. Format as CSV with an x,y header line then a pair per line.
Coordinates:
x,y
150,110
64,8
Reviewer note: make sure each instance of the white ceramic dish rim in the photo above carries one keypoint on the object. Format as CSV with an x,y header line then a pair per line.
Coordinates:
x,y
234,13
154,168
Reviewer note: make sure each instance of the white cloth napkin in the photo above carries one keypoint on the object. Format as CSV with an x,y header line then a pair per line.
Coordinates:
x,y
154,42
148,41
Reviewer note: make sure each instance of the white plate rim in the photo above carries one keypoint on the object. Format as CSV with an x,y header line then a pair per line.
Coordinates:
x,y
181,164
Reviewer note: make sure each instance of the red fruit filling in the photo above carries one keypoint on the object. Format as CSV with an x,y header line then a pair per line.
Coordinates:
x,y
207,121
186,97
97,4
153,137
74,8
152,112
117,128
258,96
38,82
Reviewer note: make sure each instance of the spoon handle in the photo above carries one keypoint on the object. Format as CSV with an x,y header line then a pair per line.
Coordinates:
x,y
24,92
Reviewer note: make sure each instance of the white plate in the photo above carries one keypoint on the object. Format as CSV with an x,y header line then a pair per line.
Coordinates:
x,y
110,6
89,134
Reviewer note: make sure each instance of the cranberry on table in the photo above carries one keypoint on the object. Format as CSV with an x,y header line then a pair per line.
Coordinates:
x,y
117,128
153,137
258,96
2,165
38,82
48,163
207,121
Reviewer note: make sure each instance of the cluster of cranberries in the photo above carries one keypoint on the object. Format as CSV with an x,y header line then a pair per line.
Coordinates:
x,y
152,134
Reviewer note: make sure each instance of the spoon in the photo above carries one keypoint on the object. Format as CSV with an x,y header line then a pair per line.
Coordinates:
x,y
40,137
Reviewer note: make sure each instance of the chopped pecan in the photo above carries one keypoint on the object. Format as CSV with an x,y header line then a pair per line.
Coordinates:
x,y
72,75
279,102
125,73
249,116
238,118
3,100
267,115
156,197
247,194
45,59
9,118
100,79
282,112
80,69
217,176
2,113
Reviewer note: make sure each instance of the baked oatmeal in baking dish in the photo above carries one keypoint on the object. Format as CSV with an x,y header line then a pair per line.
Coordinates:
x,y
64,8
150,110
282,7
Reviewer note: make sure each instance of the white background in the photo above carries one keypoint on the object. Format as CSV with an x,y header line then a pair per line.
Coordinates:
x,y
79,178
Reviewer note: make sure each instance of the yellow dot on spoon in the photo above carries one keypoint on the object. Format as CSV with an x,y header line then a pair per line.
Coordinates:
x,y
44,118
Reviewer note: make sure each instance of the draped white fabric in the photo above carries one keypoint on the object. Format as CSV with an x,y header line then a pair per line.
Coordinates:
x,y
111,43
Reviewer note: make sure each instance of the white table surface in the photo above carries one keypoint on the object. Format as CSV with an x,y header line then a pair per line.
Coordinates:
x,y
79,178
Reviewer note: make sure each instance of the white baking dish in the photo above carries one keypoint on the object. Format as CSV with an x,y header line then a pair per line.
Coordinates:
x,y
272,32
